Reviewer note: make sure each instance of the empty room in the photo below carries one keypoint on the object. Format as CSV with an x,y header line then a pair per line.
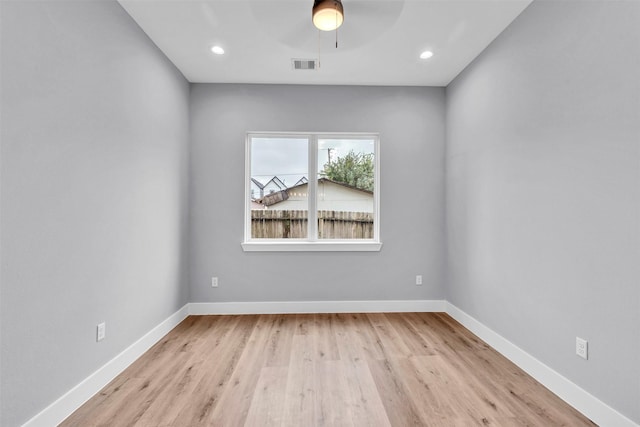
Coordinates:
x,y
320,213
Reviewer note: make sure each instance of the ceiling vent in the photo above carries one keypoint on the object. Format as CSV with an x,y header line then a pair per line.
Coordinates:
x,y
305,64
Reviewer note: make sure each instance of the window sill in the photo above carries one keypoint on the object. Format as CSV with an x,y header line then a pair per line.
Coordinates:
x,y
302,246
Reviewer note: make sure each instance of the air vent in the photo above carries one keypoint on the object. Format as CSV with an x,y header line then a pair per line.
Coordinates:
x,y
304,64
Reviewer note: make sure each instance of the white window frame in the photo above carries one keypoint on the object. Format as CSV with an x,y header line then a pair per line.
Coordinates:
x,y
312,243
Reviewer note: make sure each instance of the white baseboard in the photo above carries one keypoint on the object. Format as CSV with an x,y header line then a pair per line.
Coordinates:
x,y
590,406
280,307
593,408
59,410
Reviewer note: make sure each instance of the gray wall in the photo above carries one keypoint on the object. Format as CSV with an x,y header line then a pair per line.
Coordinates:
x,y
94,186
411,126
543,194
543,191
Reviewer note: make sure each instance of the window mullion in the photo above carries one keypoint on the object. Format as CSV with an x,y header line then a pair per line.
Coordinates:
x,y
312,213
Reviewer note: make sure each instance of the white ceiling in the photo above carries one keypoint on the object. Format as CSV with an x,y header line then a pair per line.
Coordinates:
x,y
378,44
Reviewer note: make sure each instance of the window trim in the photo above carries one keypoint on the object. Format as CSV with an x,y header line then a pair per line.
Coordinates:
x,y
312,244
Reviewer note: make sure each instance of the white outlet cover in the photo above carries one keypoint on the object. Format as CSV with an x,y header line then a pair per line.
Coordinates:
x,y
582,348
101,331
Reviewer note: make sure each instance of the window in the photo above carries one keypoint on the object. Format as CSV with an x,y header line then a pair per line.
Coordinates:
x,y
313,192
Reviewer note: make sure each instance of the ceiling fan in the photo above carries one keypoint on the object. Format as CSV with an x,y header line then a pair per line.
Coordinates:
x,y
359,21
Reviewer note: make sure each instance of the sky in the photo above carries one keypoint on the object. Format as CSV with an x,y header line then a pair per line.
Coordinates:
x,y
287,158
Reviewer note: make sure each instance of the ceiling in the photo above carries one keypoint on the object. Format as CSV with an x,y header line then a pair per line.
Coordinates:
x,y
379,43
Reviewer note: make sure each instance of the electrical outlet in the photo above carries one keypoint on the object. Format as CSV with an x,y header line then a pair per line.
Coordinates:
x,y
214,282
101,331
582,348
419,280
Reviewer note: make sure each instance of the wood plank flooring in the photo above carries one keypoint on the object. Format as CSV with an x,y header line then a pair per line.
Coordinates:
x,y
400,369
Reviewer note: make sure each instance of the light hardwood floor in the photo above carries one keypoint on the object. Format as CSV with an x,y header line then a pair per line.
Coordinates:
x,y
401,369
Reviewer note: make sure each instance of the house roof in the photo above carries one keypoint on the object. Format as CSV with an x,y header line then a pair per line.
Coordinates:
x,y
277,181
258,183
342,184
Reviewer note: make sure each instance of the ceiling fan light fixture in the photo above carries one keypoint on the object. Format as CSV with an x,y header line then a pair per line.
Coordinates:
x,y
327,15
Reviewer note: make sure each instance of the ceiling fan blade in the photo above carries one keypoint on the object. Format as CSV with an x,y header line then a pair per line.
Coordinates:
x,y
367,8
288,22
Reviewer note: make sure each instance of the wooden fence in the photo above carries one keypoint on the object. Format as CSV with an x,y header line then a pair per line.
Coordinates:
x,y
292,224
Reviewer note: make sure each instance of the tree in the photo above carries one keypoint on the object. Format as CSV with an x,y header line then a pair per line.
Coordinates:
x,y
355,169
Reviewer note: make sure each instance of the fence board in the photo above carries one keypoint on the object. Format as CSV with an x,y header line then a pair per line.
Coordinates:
x,y
292,224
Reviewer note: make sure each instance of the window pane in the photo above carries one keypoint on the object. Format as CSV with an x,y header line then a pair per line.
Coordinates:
x,y
346,185
279,176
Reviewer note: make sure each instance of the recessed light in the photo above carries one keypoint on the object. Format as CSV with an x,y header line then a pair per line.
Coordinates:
x,y
217,50
426,54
